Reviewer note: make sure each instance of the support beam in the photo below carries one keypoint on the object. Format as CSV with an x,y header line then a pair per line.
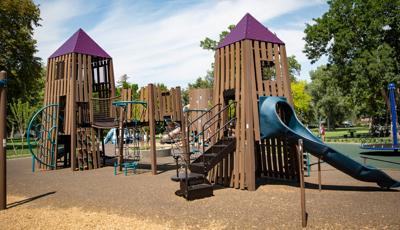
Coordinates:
x,y
152,126
73,113
299,147
248,101
3,140
121,138
319,174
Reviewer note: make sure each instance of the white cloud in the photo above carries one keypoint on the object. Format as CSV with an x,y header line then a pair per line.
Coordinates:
x,y
55,19
163,45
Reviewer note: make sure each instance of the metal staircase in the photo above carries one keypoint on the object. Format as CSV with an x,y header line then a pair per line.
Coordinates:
x,y
217,143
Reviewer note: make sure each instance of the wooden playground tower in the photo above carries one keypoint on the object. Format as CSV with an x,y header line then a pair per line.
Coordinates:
x,y
79,71
80,103
250,62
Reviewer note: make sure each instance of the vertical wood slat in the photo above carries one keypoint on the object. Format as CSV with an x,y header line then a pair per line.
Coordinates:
x,y
232,66
238,115
222,77
72,114
243,122
269,50
286,78
279,156
179,103
249,100
255,127
260,87
278,70
226,69
66,93
263,51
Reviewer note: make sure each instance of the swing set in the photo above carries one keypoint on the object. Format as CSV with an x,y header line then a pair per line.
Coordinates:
x,y
394,145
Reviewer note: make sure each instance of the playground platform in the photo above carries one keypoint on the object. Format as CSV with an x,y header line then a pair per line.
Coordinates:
x,y
97,199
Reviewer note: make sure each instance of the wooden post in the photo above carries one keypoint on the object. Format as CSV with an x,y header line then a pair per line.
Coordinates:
x,y
3,141
249,150
121,138
319,174
152,126
302,190
73,113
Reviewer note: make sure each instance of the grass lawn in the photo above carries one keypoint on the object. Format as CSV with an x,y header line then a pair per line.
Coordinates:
x,y
343,135
14,149
11,154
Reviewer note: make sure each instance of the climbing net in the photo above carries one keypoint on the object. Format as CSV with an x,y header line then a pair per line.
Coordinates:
x,y
131,127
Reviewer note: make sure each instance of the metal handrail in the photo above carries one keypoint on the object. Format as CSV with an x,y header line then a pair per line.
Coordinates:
x,y
209,111
227,107
206,112
219,113
217,131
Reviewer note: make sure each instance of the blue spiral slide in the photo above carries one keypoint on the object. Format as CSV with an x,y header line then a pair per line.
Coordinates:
x,y
272,125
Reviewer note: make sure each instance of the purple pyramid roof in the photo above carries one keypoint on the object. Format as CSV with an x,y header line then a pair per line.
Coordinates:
x,y
81,43
249,28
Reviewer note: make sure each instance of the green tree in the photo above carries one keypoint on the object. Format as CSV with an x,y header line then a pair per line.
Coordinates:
x,y
361,39
162,86
294,68
328,102
17,49
21,115
123,83
301,99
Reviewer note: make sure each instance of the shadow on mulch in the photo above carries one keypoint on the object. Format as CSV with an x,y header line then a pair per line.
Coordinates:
x,y
21,202
142,167
308,185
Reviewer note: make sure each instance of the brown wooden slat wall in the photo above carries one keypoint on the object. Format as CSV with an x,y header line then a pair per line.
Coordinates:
x,y
236,66
199,99
168,103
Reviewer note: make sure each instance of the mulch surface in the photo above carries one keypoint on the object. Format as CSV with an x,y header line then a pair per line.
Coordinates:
x,y
97,199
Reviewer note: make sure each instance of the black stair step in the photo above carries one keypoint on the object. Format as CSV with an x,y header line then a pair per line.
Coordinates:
x,y
197,164
197,167
199,191
210,154
191,175
219,146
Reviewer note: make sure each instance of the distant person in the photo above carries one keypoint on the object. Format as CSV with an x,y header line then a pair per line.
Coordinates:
x,y
322,132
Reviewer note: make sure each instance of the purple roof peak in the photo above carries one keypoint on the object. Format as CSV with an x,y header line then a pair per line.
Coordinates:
x,y
81,43
249,28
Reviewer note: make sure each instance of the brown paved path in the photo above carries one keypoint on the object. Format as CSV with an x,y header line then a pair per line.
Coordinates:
x,y
343,204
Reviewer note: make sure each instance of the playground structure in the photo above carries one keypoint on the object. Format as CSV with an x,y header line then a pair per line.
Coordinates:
x,y
80,103
236,141
250,130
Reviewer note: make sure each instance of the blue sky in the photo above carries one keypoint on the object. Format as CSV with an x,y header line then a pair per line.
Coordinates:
x,y
158,41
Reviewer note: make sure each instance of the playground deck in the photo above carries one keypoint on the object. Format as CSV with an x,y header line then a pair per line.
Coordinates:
x,y
96,198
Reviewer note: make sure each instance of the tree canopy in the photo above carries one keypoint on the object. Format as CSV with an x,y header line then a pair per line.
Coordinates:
x,y
328,102
17,49
361,39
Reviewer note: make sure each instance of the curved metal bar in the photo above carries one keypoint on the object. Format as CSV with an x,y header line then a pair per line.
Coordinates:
x,y
28,138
